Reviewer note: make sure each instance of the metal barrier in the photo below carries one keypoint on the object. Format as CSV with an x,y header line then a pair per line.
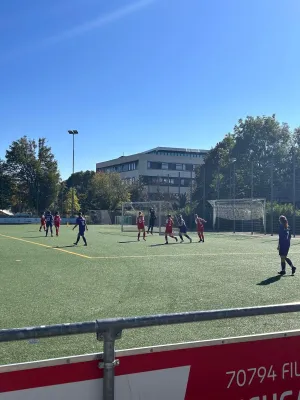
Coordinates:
x,y
109,330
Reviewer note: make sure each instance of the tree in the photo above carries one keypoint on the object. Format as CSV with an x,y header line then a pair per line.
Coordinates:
x,y
7,188
138,191
67,204
259,144
108,191
33,169
81,181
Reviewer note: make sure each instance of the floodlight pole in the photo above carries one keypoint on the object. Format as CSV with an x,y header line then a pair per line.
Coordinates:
x,y
272,195
233,160
251,197
73,132
294,192
204,190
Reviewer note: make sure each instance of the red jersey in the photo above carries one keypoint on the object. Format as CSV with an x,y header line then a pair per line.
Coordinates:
x,y
43,220
140,221
199,221
169,225
57,220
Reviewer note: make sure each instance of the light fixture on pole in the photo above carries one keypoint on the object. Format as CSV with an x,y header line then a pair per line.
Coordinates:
x,y
73,132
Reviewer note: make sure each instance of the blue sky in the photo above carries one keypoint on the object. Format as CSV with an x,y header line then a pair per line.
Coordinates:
x,y
135,74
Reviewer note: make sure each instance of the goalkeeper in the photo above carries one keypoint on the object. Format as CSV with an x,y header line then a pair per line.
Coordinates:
x,y
152,218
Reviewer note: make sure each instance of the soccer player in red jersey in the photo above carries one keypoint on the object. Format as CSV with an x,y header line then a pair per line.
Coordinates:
x,y
43,222
57,220
140,222
200,227
169,229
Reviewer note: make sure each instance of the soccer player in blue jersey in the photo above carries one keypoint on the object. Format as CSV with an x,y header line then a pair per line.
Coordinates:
x,y
183,229
284,245
81,223
49,223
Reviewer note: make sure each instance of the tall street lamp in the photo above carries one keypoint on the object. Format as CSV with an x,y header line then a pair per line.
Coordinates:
x,y
73,132
233,161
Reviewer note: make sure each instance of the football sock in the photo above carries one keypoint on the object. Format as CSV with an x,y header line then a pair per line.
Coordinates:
x,y
283,265
181,238
289,262
139,236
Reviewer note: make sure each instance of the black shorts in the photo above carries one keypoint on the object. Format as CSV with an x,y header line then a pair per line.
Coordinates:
x,y
283,251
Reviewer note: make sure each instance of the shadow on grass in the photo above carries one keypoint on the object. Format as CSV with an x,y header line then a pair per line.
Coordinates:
x,y
162,244
129,241
63,247
269,281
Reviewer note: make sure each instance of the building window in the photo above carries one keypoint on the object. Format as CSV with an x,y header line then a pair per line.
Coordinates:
x,y
164,166
178,167
182,182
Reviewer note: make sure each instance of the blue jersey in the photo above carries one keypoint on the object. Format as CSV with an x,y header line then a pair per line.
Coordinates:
x,y
284,236
49,219
80,221
182,226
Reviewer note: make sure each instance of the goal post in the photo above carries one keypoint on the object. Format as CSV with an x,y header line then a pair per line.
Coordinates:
x,y
247,215
130,211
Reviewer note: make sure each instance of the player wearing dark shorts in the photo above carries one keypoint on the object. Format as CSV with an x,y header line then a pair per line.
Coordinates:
x,y
49,223
152,218
183,229
284,245
81,223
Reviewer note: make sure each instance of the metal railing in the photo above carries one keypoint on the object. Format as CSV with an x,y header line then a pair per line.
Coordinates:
x,y
109,330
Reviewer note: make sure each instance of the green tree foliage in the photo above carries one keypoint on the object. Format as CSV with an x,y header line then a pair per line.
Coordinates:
x,y
33,169
81,181
7,187
108,191
67,204
138,191
258,144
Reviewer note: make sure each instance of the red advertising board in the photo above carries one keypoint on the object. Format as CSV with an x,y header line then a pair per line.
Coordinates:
x,y
263,367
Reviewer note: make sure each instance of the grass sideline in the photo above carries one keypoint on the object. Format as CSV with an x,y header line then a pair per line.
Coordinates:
x,y
50,281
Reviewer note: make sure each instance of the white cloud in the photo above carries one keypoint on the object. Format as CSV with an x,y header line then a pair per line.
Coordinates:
x,y
100,21
79,29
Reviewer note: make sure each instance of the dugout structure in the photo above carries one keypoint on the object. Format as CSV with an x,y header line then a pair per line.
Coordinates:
x,y
239,215
130,210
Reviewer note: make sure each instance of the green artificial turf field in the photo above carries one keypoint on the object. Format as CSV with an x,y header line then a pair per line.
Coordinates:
x,y
49,281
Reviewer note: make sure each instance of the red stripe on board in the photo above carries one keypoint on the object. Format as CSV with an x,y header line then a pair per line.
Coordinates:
x,y
209,369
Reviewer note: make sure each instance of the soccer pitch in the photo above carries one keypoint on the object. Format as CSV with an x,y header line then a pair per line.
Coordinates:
x,y
50,281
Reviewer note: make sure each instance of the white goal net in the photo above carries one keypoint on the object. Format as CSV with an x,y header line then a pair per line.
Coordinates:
x,y
239,215
130,211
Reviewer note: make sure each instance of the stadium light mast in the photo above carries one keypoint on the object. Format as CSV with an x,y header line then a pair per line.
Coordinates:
x,y
252,168
73,132
233,161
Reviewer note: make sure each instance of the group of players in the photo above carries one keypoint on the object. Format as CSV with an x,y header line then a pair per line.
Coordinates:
x,y
48,220
140,222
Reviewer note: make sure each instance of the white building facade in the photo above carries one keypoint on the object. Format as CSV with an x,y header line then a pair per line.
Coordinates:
x,y
162,170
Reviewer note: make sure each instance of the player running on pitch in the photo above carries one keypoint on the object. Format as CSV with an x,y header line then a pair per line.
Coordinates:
x,y
57,220
49,223
284,245
43,222
183,229
140,222
200,227
81,223
169,229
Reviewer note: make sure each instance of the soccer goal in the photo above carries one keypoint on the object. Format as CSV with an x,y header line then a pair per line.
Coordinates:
x,y
130,211
239,215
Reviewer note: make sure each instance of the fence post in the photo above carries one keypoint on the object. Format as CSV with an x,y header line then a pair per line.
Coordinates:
x,y
109,362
